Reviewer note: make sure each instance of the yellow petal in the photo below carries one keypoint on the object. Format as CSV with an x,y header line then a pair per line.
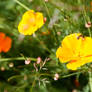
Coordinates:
x,y
70,48
72,44
30,22
86,47
76,50
79,62
39,19
75,65
63,55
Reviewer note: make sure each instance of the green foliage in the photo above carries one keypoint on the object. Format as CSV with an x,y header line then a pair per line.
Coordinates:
x,y
63,17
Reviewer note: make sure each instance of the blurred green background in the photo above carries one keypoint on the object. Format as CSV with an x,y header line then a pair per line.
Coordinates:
x,y
63,17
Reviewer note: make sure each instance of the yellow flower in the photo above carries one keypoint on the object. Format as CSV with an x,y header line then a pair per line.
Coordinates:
x,y
30,22
76,51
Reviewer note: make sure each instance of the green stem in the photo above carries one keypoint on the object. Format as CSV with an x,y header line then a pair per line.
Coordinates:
x,y
20,87
13,77
86,18
89,32
47,10
17,58
45,74
90,81
56,36
24,6
33,84
65,76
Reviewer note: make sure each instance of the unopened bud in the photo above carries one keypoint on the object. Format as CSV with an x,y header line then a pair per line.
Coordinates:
x,y
5,90
74,90
88,25
30,0
58,33
39,60
2,68
56,76
46,0
45,19
27,62
11,64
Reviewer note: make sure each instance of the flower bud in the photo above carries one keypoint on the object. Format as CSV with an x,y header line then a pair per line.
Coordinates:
x,y
88,25
39,60
27,62
11,64
56,76
2,68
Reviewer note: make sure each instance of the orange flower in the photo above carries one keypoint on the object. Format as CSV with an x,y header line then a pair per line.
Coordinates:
x,y
5,43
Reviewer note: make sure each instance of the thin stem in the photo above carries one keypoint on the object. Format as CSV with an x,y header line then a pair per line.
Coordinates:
x,y
56,36
75,73
89,32
21,87
47,10
33,84
65,76
17,58
90,81
24,6
13,77
45,74
86,18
